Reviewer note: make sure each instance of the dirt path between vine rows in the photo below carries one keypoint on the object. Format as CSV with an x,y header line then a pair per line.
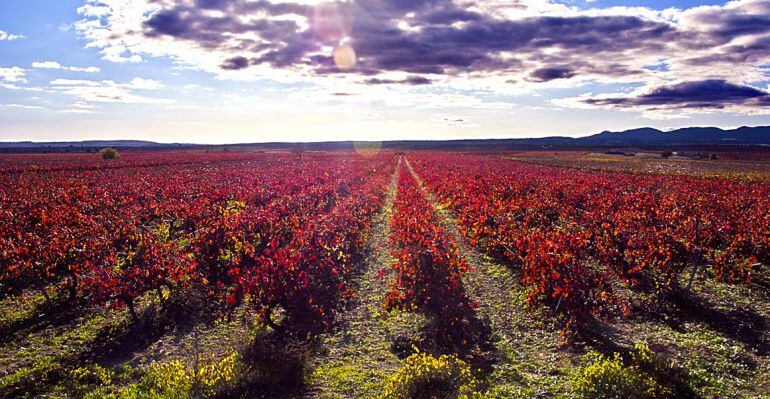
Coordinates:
x,y
522,337
355,360
488,279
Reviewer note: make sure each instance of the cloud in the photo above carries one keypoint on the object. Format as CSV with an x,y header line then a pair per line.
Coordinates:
x,y
9,37
107,91
422,37
706,94
56,65
235,63
72,82
509,47
13,75
410,80
21,106
144,84
681,99
454,122
394,96
548,74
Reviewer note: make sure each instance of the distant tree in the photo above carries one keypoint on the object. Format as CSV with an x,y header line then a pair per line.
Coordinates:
x,y
666,154
300,149
109,153
714,156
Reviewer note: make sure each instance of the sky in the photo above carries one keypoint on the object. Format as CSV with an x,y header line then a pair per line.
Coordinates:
x,y
237,71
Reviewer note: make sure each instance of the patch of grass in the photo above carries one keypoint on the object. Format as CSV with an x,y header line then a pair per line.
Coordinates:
x,y
402,329
348,380
56,379
47,359
510,378
715,366
178,379
41,371
93,382
272,366
15,310
507,369
609,378
426,376
90,376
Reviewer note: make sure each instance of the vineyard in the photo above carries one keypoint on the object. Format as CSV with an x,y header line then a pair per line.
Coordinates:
x,y
388,275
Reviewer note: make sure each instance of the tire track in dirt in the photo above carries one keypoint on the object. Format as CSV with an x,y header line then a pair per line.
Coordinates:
x,y
522,337
489,279
356,358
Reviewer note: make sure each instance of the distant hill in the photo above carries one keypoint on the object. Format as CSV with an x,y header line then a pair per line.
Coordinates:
x,y
642,137
87,143
690,136
87,146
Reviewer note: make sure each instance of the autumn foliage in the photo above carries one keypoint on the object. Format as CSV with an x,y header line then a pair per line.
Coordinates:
x,y
573,236
281,235
263,230
428,267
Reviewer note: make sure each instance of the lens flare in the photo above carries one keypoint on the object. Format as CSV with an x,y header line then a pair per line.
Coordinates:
x,y
331,21
344,57
367,148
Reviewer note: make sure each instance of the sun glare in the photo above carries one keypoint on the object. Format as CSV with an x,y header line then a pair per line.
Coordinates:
x,y
344,57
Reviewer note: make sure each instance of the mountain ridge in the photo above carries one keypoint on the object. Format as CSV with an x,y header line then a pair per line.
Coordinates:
x,y
639,137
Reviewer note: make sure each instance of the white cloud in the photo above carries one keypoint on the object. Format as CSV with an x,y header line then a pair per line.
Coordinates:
x,y
56,65
144,84
91,10
7,36
350,94
76,111
73,82
21,106
12,74
454,121
82,105
108,91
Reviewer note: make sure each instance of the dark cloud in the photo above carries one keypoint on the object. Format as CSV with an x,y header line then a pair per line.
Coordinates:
x,y
725,25
235,63
411,80
727,36
699,94
547,74
389,8
167,23
752,51
212,4
743,25
215,32
251,6
458,38
447,16
477,45
440,46
417,80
